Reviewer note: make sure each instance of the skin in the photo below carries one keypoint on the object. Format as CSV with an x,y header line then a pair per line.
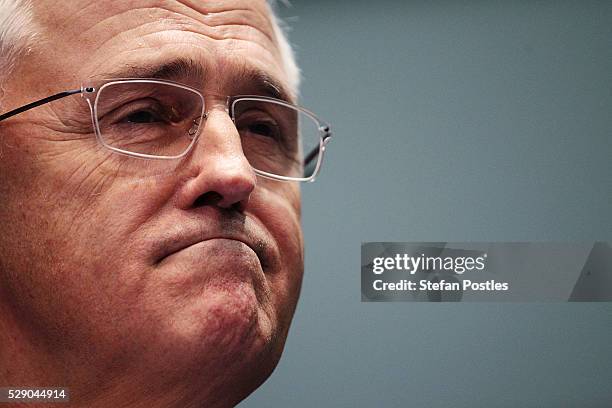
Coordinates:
x,y
88,298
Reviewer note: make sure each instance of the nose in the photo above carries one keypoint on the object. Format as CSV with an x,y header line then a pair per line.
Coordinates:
x,y
220,173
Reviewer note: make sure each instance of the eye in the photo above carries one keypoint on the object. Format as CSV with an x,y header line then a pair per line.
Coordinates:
x,y
264,128
142,116
258,123
147,111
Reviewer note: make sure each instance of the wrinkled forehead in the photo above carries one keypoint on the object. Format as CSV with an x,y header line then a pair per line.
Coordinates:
x,y
110,38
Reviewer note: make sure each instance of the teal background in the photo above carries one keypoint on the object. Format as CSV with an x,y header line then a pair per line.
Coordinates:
x,y
454,121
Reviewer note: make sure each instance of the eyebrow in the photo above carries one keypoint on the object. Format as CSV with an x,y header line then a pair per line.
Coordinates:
x,y
253,79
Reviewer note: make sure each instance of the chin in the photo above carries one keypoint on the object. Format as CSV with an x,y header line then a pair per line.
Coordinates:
x,y
229,329
221,307
243,337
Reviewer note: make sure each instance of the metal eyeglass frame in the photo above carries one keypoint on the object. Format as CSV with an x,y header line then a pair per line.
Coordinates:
x,y
91,94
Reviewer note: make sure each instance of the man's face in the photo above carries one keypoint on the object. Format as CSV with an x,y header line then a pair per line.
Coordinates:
x,y
125,266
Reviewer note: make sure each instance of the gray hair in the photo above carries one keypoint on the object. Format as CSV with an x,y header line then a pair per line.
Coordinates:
x,y
288,57
18,32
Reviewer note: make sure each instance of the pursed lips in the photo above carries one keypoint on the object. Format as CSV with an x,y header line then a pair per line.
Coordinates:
x,y
173,246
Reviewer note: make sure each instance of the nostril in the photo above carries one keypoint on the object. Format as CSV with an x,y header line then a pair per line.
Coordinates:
x,y
209,198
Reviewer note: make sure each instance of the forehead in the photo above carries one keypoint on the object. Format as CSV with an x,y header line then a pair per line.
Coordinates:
x,y
84,39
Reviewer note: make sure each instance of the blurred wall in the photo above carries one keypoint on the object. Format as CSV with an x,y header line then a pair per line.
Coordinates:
x,y
454,121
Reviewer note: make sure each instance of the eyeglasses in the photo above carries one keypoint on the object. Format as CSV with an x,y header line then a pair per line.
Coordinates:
x,y
161,120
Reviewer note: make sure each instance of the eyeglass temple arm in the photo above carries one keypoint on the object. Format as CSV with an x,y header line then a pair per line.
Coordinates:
x,y
314,152
39,102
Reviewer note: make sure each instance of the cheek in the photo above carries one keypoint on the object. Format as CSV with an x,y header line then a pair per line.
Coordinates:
x,y
69,222
105,195
277,206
